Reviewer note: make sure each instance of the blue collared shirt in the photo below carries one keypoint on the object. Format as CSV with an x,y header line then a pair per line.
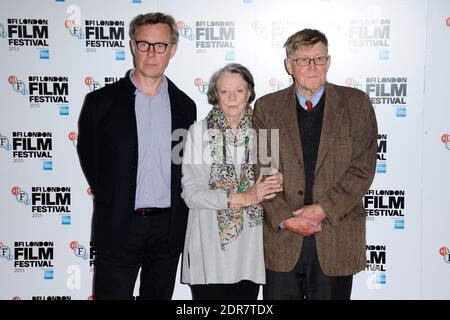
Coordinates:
x,y
154,128
315,98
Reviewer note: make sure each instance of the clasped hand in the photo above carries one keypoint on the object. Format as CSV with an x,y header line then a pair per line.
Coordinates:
x,y
265,189
306,220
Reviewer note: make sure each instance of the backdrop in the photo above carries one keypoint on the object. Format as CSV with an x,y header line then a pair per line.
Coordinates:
x,y
54,52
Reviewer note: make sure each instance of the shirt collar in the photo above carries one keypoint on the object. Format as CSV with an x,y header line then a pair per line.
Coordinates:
x,y
162,91
314,99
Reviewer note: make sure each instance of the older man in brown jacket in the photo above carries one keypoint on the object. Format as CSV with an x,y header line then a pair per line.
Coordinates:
x,y
314,232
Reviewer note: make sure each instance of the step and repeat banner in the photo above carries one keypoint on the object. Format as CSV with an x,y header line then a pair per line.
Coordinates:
x,y
53,52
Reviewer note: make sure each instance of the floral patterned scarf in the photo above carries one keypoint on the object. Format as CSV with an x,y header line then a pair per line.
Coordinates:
x,y
223,174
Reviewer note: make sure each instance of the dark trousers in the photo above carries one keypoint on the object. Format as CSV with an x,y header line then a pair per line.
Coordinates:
x,y
306,280
243,290
146,249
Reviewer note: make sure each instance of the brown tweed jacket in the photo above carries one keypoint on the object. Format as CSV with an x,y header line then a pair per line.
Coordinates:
x,y
344,171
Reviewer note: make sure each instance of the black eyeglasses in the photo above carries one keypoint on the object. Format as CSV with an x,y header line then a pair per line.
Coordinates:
x,y
318,61
158,47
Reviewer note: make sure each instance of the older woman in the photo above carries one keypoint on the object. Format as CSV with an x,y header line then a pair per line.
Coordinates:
x,y
223,254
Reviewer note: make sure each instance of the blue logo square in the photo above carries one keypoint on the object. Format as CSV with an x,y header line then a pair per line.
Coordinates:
x,y
59,0
48,274
247,1
381,278
66,220
400,112
136,1
44,54
399,224
381,167
64,110
120,55
47,165
383,55
229,56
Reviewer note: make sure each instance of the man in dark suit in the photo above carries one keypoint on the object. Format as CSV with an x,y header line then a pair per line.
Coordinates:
x,y
314,232
125,145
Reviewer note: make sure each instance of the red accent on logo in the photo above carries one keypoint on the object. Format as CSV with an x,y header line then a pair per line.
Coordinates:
x,y
1,244
88,80
448,22
273,82
180,25
69,24
198,81
91,298
16,298
12,79
443,251
445,138
349,82
15,190
73,136
89,191
74,245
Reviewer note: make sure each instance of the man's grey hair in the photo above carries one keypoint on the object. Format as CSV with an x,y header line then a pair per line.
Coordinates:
x,y
304,38
154,18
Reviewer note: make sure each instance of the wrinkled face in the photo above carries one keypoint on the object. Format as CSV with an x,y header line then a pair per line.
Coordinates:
x,y
151,64
311,77
233,94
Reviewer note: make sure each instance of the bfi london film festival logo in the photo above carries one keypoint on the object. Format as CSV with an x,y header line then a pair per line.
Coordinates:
x,y
445,139
382,154
27,33
73,137
52,298
210,35
45,201
275,31
444,252
376,266
84,253
90,193
30,145
381,204
370,34
34,255
385,91
201,85
49,90
97,34
93,84
5,252
5,143
277,84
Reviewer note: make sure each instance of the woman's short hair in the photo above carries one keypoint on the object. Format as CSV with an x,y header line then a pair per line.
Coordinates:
x,y
213,95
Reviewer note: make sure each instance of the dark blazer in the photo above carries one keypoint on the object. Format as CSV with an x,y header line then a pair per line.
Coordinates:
x,y
108,152
344,171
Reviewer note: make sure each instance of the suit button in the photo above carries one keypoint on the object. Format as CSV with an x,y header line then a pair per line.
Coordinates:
x,y
300,192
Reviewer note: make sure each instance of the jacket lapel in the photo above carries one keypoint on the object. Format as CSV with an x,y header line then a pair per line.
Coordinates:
x,y
176,108
178,121
289,121
331,120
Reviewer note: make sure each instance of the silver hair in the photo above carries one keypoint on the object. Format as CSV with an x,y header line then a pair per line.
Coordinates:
x,y
213,96
304,38
154,18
